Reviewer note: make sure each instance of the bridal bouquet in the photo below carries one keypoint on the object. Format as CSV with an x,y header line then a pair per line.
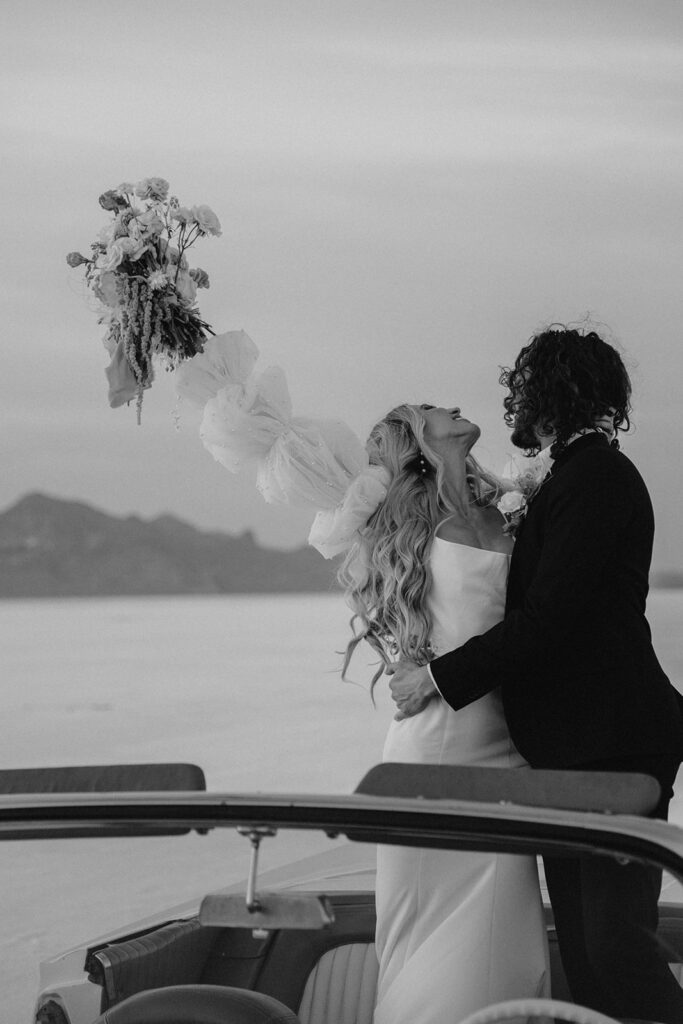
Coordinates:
x,y
144,287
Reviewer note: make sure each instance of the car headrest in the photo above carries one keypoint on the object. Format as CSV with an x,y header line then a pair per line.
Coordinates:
x,y
602,792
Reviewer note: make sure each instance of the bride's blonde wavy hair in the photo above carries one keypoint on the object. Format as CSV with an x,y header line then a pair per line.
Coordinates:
x,y
385,574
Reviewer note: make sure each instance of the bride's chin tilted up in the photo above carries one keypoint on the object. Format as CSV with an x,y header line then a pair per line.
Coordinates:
x,y
475,433
468,434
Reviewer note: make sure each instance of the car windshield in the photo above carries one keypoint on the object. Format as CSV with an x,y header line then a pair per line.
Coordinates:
x,y
95,693
83,905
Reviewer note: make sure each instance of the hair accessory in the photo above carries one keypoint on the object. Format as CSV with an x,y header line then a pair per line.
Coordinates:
x,y
423,464
248,418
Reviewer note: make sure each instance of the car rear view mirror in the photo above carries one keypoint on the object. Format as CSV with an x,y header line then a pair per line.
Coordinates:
x,y
269,912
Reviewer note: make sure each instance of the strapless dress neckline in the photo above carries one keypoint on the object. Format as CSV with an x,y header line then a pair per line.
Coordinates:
x,y
470,547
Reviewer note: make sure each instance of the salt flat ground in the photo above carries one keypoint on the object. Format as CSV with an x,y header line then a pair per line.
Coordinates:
x,y
246,687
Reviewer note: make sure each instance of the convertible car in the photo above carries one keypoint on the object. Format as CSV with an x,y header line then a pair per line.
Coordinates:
x,y
296,943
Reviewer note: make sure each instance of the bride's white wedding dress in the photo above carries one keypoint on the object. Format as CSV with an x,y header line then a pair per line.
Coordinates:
x,y
457,930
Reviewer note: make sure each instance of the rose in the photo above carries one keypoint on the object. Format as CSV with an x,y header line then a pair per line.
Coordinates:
x,y
182,214
74,259
107,233
110,200
152,188
134,230
122,221
106,288
132,248
110,259
200,277
206,220
120,249
149,222
528,481
511,503
513,508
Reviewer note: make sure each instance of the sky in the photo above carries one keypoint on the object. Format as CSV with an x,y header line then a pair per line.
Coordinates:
x,y
408,191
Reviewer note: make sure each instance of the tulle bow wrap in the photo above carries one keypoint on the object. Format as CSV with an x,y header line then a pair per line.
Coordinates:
x,y
334,530
248,418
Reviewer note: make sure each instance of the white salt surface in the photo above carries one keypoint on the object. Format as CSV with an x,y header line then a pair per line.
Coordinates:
x,y
246,687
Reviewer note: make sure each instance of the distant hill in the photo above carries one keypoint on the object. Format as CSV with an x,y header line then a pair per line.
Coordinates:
x,y
55,548
670,580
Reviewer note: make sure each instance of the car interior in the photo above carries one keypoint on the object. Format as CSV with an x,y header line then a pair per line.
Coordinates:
x,y
293,956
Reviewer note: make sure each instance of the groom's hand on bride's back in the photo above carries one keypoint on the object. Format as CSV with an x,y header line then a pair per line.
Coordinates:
x,y
411,688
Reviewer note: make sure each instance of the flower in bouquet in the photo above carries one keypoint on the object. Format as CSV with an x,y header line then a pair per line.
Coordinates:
x,y
200,277
112,200
206,220
75,259
152,188
146,290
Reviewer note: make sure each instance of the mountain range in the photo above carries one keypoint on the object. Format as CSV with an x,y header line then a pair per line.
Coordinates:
x,y
50,547
55,548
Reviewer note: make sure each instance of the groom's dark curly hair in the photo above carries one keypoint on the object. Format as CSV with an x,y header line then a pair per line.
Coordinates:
x,y
562,381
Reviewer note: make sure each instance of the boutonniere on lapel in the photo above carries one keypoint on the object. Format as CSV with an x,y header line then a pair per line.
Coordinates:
x,y
514,504
513,507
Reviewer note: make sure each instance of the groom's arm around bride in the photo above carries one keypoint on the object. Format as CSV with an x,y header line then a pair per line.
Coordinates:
x,y
581,685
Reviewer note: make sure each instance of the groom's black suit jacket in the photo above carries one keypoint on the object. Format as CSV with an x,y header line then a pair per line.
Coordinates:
x,y
573,656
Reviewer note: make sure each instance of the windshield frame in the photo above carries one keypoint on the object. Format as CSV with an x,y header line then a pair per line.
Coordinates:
x,y
442,824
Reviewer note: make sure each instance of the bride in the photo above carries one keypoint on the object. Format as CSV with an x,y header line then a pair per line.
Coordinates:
x,y
425,568
455,931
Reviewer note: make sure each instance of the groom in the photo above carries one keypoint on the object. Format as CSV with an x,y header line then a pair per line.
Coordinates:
x,y
581,685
